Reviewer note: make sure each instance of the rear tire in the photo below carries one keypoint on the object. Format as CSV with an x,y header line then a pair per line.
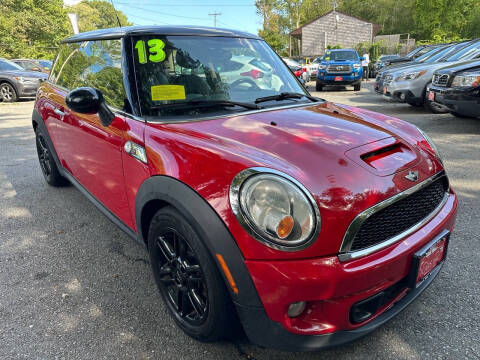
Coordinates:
x,y
461,115
357,87
47,162
8,93
188,279
318,87
415,104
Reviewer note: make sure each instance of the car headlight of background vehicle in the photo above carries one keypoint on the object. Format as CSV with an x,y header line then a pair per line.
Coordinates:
x,y
322,67
430,144
466,79
275,209
410,76
357,66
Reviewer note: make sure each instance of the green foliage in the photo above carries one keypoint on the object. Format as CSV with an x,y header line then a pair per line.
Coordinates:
x,y
336,46
97,14
34,28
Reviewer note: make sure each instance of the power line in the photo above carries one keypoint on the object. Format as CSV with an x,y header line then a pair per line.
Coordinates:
x,y
163,13
215,14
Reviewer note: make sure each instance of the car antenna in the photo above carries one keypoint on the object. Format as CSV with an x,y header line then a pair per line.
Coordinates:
x,y
116,13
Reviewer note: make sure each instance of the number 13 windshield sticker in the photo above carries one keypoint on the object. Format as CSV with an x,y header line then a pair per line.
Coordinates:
x,y
155,51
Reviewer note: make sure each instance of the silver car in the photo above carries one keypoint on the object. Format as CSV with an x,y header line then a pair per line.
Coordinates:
x,y
409,84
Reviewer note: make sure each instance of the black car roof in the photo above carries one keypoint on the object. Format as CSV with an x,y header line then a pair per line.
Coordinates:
x,y
115,33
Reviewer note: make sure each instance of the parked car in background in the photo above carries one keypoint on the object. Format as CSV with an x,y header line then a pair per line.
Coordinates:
x,y
340,67
414,54
16,82
31,65
47,64
298,69
458,88
381,63
434,55
310,223
409,85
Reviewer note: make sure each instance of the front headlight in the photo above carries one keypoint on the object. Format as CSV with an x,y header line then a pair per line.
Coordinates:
x,y
466,79
322,67
274,208
410,76
19,78
430,143
357,66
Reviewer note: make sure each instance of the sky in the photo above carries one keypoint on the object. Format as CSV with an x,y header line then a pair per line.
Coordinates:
x,y
235,14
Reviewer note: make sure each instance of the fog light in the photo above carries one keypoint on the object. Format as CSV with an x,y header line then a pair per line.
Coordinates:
x,y
402,96
296,308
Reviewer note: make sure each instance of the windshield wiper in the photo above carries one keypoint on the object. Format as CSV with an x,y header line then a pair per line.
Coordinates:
x,y
286,95
207,103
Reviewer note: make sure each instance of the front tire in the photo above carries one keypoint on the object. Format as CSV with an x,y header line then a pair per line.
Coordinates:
x,y
435,108
187,278
318,86
357,87
8,93
47,162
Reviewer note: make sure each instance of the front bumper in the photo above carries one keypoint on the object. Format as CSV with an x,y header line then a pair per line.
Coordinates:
x,y
324,78
409,91
331,288
463,101
27,88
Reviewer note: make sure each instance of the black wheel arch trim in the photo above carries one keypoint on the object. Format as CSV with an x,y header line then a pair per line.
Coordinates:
x,y
10,82
211,228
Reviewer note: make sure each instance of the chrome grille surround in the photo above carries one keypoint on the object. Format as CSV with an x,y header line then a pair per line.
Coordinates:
x,y
339,69
440,79
347,254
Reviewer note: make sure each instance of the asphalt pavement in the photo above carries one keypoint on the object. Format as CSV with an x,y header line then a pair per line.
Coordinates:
x,y
73,286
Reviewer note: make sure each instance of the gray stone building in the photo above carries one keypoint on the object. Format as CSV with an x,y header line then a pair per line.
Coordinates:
x,y
333,28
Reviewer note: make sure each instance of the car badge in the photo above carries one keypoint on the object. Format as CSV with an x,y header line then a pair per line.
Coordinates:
x,y
412,175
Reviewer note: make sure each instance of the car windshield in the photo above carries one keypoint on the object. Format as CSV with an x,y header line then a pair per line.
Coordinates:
x,y
45,63
388,57
466,53
6,65
175,74
427,56
346,55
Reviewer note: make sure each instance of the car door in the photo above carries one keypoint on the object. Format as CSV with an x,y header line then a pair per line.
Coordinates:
x,y
90,151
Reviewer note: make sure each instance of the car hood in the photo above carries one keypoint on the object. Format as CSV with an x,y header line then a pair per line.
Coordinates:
x,y
25,73
420,67
322,146
458,67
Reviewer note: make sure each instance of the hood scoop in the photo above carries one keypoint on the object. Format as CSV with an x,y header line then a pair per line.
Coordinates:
x,y
384,157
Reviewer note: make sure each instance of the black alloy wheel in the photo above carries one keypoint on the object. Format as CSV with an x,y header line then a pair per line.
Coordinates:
x,y
47,162
44,156
188,278
181,277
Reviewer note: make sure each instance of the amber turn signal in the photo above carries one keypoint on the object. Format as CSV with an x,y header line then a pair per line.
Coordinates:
x,y
285,227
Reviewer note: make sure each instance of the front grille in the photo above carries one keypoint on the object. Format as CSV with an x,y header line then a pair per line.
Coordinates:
x,y
440,80
339,69
400,216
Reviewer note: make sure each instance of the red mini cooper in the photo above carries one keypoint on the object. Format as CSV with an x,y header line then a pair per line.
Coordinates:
x,y
307,222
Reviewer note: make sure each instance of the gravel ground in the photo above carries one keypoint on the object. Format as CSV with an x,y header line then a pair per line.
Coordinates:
x,y
73,286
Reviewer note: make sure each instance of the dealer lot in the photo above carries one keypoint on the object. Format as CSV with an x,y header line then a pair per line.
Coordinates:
x,y
73,286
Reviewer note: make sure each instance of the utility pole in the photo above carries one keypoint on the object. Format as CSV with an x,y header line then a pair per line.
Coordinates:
x,y
215,14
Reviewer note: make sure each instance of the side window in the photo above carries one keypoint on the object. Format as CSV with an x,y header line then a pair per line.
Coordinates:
x,y
97,64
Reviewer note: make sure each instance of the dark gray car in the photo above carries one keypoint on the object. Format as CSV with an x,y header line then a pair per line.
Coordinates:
x,y
16,82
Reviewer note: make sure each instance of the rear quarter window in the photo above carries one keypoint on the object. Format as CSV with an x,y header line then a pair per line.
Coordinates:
x,y
97,64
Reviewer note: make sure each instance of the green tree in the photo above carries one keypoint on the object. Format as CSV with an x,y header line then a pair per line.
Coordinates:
x,y
32,28
97,14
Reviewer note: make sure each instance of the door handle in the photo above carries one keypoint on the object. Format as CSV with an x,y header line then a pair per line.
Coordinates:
x,y
59,112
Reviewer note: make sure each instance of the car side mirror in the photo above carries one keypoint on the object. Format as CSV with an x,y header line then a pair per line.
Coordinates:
x,y
362,58
87,100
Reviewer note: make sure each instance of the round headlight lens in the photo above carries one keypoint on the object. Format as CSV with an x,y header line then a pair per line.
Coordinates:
x,y
276,210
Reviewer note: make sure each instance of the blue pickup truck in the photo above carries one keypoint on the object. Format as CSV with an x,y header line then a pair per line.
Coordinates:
x,y
340,67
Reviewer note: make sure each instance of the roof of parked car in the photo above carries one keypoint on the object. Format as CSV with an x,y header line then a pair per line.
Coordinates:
x,y
115,33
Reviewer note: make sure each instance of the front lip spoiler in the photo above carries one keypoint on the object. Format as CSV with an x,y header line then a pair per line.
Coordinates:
x,y
345,253
265,332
